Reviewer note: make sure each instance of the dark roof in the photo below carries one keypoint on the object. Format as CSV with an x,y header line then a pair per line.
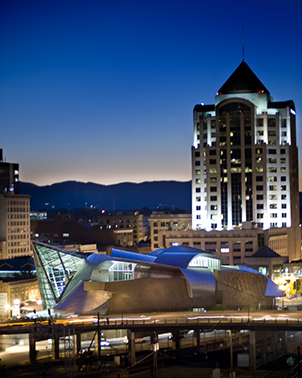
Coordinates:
x,y
243,80
204,108
19,263
281,104
265,251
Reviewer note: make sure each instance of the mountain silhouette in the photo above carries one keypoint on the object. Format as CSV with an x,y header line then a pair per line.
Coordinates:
x,y
122,196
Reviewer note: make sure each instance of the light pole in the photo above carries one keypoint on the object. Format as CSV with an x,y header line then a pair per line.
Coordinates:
x,y
16,307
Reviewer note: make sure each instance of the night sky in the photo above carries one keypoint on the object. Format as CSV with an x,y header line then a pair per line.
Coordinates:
x,y
104,91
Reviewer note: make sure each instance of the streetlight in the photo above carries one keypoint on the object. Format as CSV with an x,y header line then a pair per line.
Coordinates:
x,y
16,307
7,309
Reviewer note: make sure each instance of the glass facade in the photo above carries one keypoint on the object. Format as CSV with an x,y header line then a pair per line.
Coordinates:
x,y
204,262
120,271
55,268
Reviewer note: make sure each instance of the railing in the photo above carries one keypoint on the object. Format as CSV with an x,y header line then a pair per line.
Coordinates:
x,y
199,321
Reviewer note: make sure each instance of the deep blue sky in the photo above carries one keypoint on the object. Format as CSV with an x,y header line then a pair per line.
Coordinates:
x,y
103,91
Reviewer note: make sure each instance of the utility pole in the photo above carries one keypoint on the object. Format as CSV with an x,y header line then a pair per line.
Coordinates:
x,y
99,342
231,353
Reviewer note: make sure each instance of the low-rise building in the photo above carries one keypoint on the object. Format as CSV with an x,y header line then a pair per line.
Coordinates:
x,y
163,221
232,246
122,224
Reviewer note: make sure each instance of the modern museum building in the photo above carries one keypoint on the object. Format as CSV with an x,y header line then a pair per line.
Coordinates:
x,y
172,279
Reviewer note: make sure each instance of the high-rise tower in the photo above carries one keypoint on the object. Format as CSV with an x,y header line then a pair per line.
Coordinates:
x,y
245,158
9,176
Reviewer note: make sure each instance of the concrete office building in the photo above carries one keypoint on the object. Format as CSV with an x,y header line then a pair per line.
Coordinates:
x,y
14,225
122,224
245,162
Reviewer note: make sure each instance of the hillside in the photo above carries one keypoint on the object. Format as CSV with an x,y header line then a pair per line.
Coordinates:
x,y
122,196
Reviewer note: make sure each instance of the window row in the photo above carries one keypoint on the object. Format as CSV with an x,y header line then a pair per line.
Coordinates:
x,y
24,203
17,223
18,209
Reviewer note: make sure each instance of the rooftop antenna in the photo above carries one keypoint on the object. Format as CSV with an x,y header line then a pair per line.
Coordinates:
x,y
242,44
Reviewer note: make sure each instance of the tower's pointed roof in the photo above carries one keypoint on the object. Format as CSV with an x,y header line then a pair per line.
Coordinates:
x,y
243,80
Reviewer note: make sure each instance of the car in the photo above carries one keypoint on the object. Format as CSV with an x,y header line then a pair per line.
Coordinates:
x,y
104,343
139,340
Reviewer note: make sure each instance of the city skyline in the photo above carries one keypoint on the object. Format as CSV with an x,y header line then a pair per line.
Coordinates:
x,y
104,92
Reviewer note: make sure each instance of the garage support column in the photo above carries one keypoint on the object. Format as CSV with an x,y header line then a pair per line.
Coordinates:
x,y
131,346
263,346
274,339
252,350
55,346
176,340
32,349
78,342
284,342
197,340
